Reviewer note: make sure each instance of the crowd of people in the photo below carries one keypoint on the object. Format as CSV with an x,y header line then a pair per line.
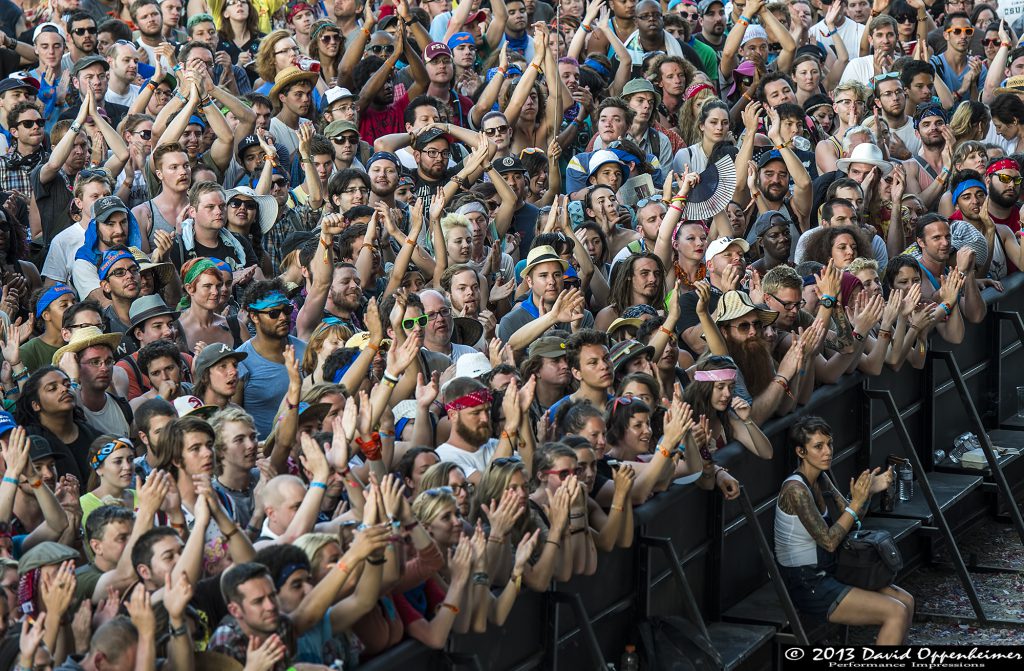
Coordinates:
x,y
330,325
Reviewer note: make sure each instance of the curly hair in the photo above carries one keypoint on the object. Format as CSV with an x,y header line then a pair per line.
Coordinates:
x,y
622,281
819,247
689,112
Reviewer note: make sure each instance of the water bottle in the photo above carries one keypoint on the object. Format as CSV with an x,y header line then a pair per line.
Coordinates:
x,y
630,660
801,143
906,485
961,444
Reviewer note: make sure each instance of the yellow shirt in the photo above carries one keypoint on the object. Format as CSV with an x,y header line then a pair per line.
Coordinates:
x,y
265,9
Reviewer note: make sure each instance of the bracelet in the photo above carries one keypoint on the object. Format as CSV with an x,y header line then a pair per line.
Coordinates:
x,y
678,199
36,484
496,539
389,377
665,331
481,578
664,452
676,208
946,307
1005,44
586,28
10,480
853,513
342,566
535,66
320,485
385,434
884,333
517,580
75,127
744,19
376,562
502,71
233,532
856,336
615,507
555,543
366,31
452,607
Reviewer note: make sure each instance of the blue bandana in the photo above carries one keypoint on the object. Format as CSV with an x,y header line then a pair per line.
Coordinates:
x,y
273,300
53,293
967,184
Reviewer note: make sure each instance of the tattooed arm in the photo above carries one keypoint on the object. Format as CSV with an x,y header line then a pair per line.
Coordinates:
x,y
796,499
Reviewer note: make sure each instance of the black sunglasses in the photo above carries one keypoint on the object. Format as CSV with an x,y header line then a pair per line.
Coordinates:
x,y
274,313
31,123
144,134
247,204
84,31
378,49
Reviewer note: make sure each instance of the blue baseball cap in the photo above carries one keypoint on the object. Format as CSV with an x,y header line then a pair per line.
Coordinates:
x,y
196,121
384,156
7,422
459,39
112,257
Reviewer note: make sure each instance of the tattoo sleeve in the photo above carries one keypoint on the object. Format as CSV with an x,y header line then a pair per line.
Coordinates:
x,y
796,499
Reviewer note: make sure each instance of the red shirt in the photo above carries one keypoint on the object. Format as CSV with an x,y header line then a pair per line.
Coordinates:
x,y
378,123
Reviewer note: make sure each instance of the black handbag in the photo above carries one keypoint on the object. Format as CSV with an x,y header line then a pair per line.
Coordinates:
x,y
868,559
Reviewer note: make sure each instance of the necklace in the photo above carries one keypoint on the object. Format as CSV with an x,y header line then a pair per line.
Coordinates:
x,y
683,277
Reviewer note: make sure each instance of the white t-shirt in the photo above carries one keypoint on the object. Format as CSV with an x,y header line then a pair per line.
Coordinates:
x,y
907,133
850,31
85,276
284,135
127,99
471,462
62,253
859,69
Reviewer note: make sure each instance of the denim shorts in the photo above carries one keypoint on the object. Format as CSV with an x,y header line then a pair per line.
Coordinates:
x,y
814,591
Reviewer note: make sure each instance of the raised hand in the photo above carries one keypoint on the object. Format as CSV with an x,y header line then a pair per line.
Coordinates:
x,y
177,595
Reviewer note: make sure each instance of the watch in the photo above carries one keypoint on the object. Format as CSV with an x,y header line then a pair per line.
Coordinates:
x,y
828,302
180,631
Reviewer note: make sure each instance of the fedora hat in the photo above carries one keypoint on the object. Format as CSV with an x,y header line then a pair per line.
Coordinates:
x,y
266,205
289,76
1014,85
736,304
85,338
466,331
147,307
865,153
542,254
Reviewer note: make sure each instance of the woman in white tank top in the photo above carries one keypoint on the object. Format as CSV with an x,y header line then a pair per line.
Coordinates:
x,y
806,540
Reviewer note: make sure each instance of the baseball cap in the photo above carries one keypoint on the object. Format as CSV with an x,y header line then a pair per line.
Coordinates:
x,y
721,244
704,5
767,157
83,63
6,422
548,347
107,206
336,93
14,81
212,355
754,32
767,220
193,405
336,128
429,136
245,143
508,164
435,49
48,27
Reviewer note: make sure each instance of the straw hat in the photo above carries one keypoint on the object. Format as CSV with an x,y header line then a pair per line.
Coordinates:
x,y
85,338
289,76
736,304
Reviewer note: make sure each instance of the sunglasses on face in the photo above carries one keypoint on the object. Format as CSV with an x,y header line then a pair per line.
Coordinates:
x,y
748,326
238,202
84,31
280,183
990,42
409,323
275,313
789,305
378,49
906,19
346,139
1009,179
31,123
960,30
563,473
144,134
331,38
491,132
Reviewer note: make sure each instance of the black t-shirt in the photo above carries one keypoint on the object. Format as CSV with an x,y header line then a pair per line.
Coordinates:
x,y
208,599
114,112
524,222
179,255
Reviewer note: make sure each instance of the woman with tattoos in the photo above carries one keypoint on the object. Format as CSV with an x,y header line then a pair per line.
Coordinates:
x,y
806,540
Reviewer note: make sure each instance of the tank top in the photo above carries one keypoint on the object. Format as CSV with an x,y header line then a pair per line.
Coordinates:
x,y
793,544
998,268
160,223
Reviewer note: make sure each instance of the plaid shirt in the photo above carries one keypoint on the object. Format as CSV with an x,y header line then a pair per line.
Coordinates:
x,y
230,640
298,218
15,170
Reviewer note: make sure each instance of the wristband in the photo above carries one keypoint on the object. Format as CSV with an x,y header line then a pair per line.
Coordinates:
x,y
321,485
586,28
744,19
10,480
376,562
948,309
676,208
832,32
856,336
853,513
450,606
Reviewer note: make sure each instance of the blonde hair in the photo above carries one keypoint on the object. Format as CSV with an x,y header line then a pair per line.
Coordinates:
x,y
861,263
312,543
437,475
430,503
454,220
230,413
859,89
265,66
689,113
493,484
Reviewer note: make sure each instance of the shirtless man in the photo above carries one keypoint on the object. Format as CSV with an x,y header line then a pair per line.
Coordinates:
x,y
166,211
202,321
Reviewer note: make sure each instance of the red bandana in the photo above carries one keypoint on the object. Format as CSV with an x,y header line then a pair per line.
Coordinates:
x,y
470,400
1003,164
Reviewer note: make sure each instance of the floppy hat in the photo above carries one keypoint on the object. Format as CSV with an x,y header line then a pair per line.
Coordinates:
x,y
736,304
633,322
147,307
641,85
466,331
865,153
719,245
85,338
163,269
289,76
211,355
543,254
626,350
266,206
747,69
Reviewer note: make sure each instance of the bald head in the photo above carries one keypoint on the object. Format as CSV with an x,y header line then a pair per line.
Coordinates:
x,y
281,500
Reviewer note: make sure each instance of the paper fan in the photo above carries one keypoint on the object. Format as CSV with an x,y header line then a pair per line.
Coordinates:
x,y
714,191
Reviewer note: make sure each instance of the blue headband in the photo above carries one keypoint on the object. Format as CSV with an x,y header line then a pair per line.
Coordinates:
x,y
272,300
596,67
287,571
112,257
53,293
967,184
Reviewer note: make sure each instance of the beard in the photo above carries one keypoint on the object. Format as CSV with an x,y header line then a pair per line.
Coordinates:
x,y
755,362
473,437
1004,198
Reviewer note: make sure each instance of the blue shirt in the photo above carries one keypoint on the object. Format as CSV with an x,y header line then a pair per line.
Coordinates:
x,y
954,80
264,384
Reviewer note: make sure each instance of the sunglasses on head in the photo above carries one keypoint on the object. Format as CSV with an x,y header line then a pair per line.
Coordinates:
x,y
409,323
275,313
621,400
1009,179
247,204
503,461
960,30
644,202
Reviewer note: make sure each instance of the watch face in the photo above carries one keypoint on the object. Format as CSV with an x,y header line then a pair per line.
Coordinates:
x,y
828,302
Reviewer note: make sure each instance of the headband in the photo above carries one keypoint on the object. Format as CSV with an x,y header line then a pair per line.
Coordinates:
x,y
933,110
286,573
693,89
222,265
967,184
470,400
200,267
473,206
319,28
105,451
272,300
716,375
1003,164
112,257
53,293
597,67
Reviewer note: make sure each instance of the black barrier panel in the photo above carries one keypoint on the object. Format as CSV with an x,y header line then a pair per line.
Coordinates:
x,y
540,635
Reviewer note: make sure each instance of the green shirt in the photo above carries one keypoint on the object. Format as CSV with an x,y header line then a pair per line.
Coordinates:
x,y
708,59
36,353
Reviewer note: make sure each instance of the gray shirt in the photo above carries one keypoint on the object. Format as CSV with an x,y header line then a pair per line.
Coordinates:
x,y
520,317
